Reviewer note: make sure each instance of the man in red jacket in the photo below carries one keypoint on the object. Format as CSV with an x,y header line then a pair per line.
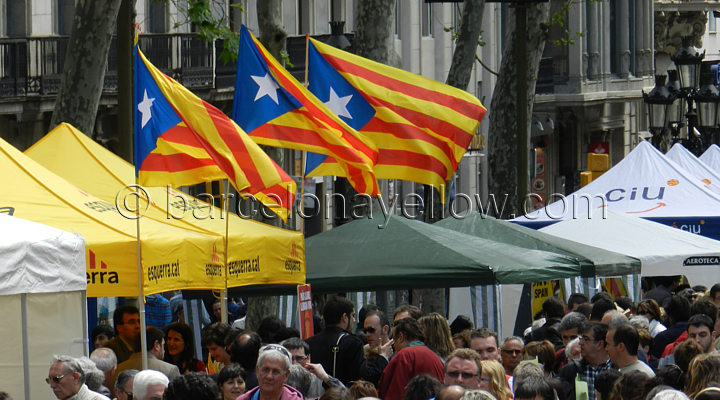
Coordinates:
x,y
412,358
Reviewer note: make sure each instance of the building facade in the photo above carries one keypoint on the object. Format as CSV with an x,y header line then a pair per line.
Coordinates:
x,y
588,90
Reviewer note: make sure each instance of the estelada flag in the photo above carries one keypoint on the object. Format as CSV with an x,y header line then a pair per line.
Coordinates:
x,y
276,110
420,126
182,140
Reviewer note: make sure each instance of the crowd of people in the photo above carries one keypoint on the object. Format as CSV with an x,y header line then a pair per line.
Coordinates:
x,y
662,348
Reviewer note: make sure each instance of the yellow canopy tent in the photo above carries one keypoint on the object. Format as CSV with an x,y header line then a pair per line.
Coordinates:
x,y
258,253
172,258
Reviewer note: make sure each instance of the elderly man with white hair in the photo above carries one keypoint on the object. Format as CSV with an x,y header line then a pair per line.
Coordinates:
x,y
67,380
106,362
149,385
273,368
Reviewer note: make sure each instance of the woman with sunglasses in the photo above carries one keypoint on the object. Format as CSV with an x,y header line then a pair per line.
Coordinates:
x,y
179,341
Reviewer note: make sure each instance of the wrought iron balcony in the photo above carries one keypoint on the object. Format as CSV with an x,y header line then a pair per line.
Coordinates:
x,y
33,66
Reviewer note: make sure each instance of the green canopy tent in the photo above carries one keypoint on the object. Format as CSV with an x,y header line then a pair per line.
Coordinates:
x,y
405,253
374,254
596,261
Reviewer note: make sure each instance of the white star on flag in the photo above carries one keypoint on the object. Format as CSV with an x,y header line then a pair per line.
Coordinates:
x,y
338,105
144,108
266,87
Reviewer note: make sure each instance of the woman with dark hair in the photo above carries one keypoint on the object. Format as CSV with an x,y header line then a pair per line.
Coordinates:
x,y
633,385
194,386
179,341
231,381
534,387
422,387
650,309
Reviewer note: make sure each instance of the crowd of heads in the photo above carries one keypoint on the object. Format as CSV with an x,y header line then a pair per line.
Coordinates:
x,y
661,348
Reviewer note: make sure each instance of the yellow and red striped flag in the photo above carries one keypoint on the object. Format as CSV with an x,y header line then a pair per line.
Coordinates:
x,y
420,126
182,140
276,110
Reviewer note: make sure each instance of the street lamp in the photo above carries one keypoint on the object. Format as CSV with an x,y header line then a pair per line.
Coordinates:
x,y
659,101
698,107
707,98
687,62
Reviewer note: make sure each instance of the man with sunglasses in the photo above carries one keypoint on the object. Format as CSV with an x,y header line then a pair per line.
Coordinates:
x,y
376,327
67,380
511,351
463,368
339,351
124,384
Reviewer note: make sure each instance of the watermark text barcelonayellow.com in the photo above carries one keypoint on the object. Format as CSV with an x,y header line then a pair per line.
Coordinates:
x,y
134,201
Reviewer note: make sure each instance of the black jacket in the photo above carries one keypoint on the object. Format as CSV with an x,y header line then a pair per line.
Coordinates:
x,y
350,363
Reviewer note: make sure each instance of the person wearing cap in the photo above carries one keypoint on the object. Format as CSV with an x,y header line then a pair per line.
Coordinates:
x,y
273,369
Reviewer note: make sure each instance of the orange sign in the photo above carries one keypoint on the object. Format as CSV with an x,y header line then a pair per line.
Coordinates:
x,y
305,311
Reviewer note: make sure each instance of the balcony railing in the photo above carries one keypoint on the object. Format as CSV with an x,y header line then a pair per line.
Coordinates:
x,y
33,66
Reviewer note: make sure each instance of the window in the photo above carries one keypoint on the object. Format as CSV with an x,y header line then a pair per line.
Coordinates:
x,y
397,19
712,22
65,14
15,18
157,17
303,17
426,22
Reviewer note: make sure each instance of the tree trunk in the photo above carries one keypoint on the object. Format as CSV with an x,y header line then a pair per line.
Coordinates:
x,y
466,44
502,143
272,36
272,33
374,35
85,64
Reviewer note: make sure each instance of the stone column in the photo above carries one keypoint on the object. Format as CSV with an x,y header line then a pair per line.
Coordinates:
x,y
593,39
622,24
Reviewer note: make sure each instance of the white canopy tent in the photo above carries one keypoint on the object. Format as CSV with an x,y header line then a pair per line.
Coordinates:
x,y
42,303
644,184
687,160
711,157
662,250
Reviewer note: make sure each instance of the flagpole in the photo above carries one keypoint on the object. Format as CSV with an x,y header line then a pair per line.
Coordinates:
x,y
141,295
301,203
223,296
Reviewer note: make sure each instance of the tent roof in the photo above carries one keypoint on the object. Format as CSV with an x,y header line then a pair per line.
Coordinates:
x,y
599,261
171,253
412,254
645,183
687,160
663,250
39,259
711,157
93,168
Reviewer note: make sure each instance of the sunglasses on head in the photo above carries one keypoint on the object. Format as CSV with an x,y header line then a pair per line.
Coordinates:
x,y
278,348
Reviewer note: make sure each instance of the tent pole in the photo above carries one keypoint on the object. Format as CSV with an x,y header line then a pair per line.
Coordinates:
x,y
25,346
223,296
141,295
